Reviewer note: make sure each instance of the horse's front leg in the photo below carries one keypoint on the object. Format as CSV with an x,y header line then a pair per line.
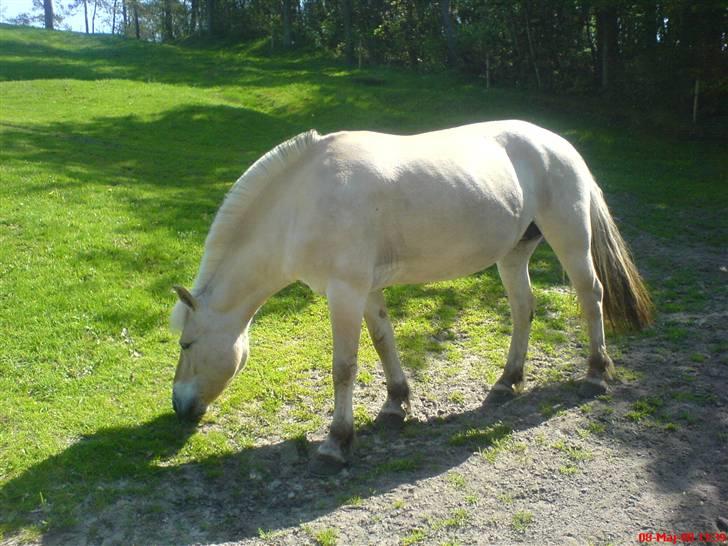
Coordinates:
x,y
346,309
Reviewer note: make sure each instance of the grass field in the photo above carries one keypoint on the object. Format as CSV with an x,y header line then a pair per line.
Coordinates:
x,y
114,156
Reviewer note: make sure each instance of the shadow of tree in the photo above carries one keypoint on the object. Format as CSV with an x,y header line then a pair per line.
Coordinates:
x,y
107,57
217,142
104,57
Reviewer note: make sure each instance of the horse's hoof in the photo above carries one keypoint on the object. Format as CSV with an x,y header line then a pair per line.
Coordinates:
x,y
390,421
498,396
325,465
591,388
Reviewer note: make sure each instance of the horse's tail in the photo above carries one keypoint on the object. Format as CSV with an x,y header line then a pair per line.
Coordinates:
x,y
627,304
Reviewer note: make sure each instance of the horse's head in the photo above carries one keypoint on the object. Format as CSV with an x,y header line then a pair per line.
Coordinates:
x,y
213,350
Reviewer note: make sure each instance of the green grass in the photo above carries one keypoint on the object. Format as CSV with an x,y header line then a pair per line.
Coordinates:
x,y
644,407
356,500
457,518
326,537
413,537
489,441
471,499
568,469
505,498
521,521
456,480
114,156
574,453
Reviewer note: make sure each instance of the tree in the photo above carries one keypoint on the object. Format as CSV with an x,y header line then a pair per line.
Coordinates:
x,y
194,16
167,27
348,32
93,18
607,43
447,28
672,53
286,18
135,11
48,12
85,14
211,14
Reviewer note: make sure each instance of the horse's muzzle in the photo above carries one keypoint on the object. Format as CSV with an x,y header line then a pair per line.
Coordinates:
x,y
187,410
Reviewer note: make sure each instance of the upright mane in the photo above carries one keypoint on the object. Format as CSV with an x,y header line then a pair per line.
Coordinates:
x,y
238,201
242,195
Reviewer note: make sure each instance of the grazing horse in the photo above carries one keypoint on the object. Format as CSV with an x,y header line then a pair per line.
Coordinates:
x,y
351,213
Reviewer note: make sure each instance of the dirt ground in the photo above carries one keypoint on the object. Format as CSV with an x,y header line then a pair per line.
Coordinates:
x,y
553,468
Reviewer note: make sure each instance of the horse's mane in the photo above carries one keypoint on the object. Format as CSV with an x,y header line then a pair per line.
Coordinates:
x,y
238,201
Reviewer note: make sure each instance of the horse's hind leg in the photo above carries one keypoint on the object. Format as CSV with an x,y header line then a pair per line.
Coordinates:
x,y
580,268
380,330
513,270
571,241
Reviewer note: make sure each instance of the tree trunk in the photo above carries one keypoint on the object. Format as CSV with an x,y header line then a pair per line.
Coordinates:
x,y
113,18
487,71
586,18
93,18
696,93
348,34
136,21
125,22
607,30
531,50
449,32
193,16
85,14
211,17
286,18
410,33
48,13
650,22
168,32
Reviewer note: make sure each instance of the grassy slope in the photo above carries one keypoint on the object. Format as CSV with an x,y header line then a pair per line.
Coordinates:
x,y
114,157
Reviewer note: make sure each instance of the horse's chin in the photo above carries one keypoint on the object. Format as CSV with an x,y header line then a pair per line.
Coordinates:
x,y
193,416
189,408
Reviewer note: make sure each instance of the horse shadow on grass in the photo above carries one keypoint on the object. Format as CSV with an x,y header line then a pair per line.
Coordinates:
x,y
105,487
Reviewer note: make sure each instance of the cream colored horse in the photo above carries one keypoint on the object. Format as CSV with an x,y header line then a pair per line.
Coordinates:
x,y
353,212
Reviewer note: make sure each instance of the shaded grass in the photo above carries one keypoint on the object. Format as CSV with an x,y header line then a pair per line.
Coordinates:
x,y
114,156
481,437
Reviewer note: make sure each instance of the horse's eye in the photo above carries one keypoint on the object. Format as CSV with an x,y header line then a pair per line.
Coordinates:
x,y
186,346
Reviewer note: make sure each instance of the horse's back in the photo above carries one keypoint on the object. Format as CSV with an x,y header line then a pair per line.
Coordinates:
x,y
410,209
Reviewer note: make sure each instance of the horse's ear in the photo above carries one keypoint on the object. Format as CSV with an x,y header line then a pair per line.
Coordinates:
x,y
185,297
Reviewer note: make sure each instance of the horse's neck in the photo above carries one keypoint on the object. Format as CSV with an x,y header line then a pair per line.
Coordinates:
x,y
250,274
251,270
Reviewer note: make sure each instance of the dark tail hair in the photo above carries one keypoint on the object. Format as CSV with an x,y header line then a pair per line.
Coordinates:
x,y
627,304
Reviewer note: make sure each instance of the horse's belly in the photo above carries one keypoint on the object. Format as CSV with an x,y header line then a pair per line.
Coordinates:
x,y
423,271
432,250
